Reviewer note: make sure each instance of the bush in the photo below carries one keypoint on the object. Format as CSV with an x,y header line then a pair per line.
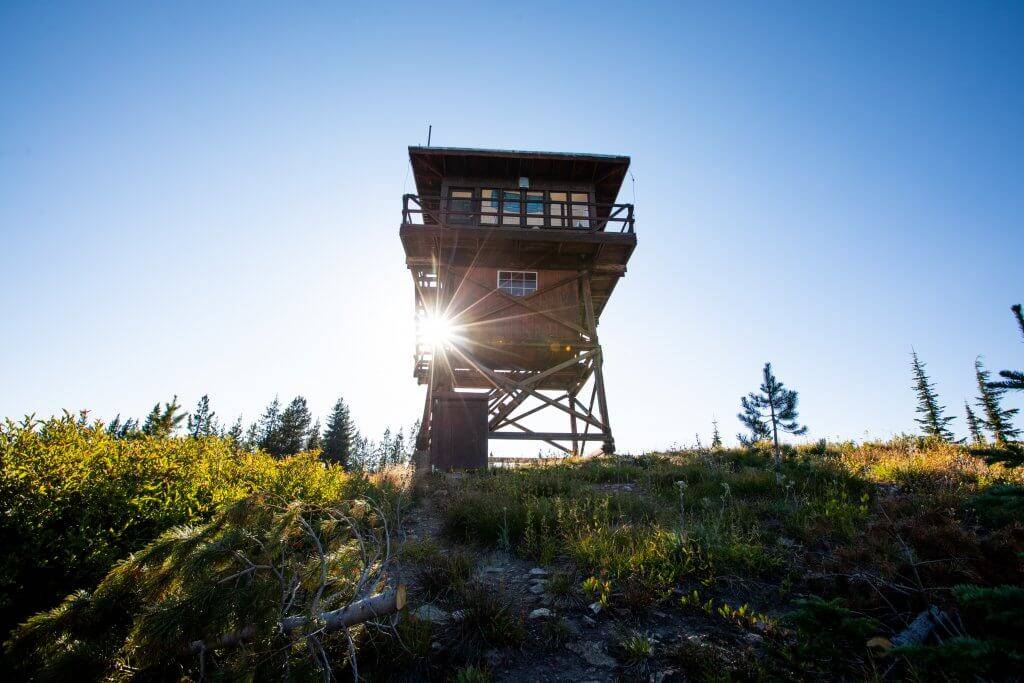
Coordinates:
x,y
77,500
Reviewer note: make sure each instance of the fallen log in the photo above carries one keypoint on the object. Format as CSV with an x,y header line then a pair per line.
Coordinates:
x,y
387,602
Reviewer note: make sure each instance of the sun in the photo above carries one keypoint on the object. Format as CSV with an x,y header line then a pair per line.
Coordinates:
x,y
437,330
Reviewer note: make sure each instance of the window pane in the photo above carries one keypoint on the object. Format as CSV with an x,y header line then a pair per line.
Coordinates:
x,y
460,205
557,209
489,206
517,283
510,207
535,209
580,210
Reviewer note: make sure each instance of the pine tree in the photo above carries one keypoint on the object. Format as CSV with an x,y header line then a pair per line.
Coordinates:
x,y
752,420
203,421
123,430
1012,379
162,422
314,442
338,438
780,404
974,426
236,433
716,437
996,419
932,420
266,433
295,419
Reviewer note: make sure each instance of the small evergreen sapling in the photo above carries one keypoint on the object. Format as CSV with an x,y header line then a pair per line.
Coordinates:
x,y
716,437
932,420
771,410
974,426
996,419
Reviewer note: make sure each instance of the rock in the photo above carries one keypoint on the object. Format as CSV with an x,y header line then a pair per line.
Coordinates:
x,y
537,588
541,613
595,607
431,613
572,627
592,652
753,638
661,676
435,646
537,571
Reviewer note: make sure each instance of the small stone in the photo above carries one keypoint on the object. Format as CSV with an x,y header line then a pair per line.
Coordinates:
x,y
542,613
753,638
431,613
595,607
435,645
537,571
537,588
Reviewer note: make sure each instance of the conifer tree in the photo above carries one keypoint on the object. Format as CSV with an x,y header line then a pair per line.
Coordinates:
x,y
338,439
162,422
1012,379
996,419
974,426
123,430
236,433
314,441
266,433
752,420
203,421
716,437
774,408
932,420
295,419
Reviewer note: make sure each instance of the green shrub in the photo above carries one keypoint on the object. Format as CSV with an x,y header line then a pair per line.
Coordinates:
x,y
999,505
77,500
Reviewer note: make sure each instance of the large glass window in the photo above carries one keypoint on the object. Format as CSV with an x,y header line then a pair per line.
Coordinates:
x,y
535,209
580,210
558,208
517,282
460,205
489,206
511,205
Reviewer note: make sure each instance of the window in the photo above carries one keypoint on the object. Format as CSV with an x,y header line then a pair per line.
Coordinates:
x,y
535,209
489,206
510,205
517,282
460,205
580,210
558,200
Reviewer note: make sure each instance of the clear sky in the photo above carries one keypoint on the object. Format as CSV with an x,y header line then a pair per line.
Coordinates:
x,y
205,197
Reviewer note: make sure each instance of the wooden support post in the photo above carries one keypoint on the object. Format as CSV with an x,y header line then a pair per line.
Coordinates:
x,y
602,401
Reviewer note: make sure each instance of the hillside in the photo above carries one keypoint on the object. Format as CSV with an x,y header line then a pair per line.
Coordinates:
x,y
692,565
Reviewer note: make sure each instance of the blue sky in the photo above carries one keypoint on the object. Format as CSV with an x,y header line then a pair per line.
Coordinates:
x,y
204,197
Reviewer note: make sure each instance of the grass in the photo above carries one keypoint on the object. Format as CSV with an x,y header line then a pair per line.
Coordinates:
x,y
883,527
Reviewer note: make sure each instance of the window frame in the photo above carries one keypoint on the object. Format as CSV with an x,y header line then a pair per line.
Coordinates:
x,y
535,278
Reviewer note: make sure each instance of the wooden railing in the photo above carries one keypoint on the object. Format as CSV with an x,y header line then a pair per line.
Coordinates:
x,y
536,214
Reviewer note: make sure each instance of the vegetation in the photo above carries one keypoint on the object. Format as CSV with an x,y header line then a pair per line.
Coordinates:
x,y
933,421
1013,379
771,410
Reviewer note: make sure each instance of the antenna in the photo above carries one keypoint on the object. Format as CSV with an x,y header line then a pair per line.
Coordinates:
x,y
633,179
430,129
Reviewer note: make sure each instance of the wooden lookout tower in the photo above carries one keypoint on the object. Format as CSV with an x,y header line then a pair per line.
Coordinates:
x,y
514,256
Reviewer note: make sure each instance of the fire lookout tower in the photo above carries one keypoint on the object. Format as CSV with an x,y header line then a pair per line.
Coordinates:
x,y
514,256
